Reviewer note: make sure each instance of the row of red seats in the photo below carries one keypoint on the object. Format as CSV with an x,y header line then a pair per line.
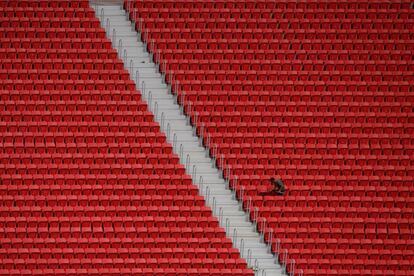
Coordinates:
x,y
49,74
307,159
102,200
389,102
47,13
95,107
53,53
334,74
106,221
154,263
64,95
79,127
298,86
309,138
92,148
34,182
101,211
334,201
61,84
129,271
300,117
388,244
112,232
96,189
81,137
270,34
263,4
230,56
52,33
55,4
116,242
47,43
356,128
286,24
92,168
295,67
278,44
345,264
278,13
65,64
31,22
297,103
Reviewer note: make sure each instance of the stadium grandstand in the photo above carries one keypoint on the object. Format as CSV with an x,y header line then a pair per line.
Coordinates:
x,y
143,137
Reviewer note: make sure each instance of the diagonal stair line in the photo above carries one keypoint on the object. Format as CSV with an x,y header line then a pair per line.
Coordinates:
x,y
139,62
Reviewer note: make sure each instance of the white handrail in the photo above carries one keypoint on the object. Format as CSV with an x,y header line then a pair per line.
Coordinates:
x,y
242,247
137,76
270,240
194,172
175,141
162,120
181,152
125,54
113,36
234,236
131,65
120,46
168,131
292,267
187,162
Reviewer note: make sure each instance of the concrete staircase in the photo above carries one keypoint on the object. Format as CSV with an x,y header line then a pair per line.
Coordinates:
x,y
185,144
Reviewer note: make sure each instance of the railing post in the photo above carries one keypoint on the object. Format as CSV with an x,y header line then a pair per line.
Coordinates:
x,y
187,163
103,15
168,131
242,247
149,99
113,36
255,216
108,26
235,236
125,55
194,172
208,195
201,140
263,230
181,152
162,120
292,267
143,88
227,225
277,248
155,108
131,65
201,185
208,145
270,240
221,216
249,207
120,46
249,257
214,206
175,141
241,197
235,186
284,259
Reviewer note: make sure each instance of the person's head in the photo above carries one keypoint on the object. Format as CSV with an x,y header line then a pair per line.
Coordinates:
x,y
272,179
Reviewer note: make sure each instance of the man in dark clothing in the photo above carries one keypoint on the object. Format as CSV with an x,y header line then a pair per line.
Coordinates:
x,y
278,189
